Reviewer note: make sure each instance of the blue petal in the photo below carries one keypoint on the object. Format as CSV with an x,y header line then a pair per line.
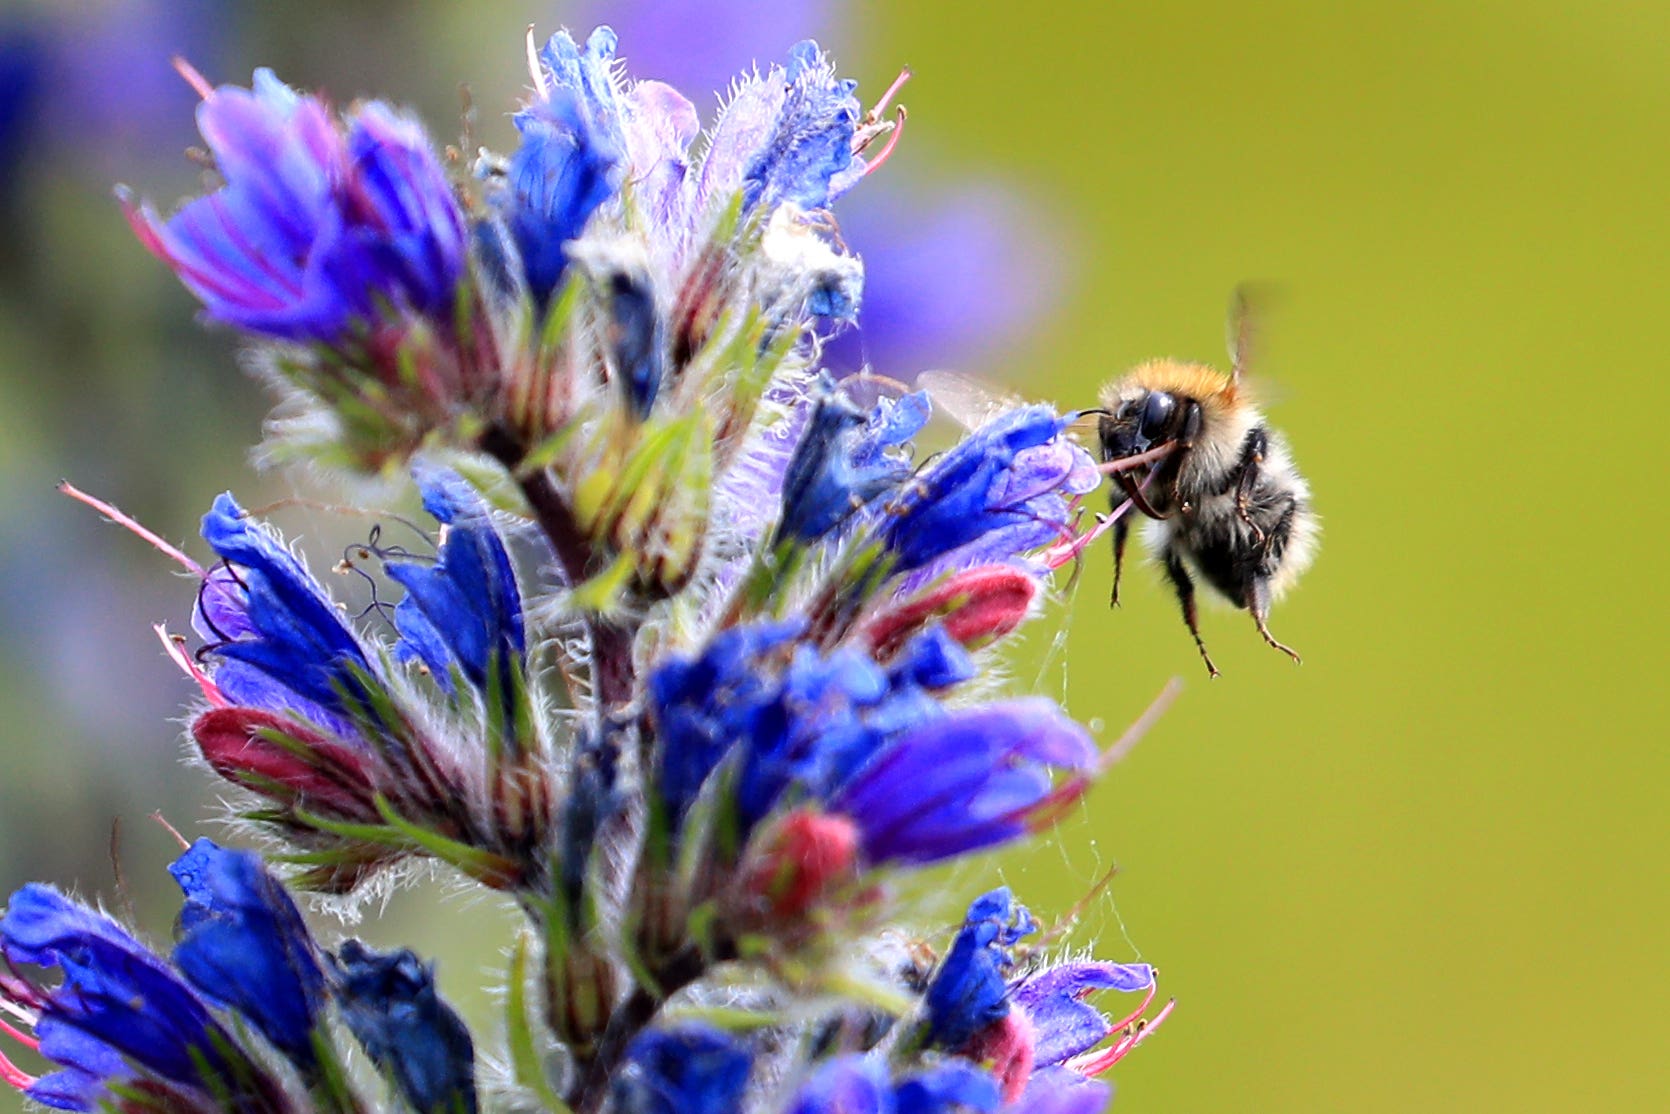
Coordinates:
x,y
245,946
389,1002
690,1069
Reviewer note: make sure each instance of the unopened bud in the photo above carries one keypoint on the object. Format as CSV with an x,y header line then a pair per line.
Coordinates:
x,y
976,607
281,759
803,857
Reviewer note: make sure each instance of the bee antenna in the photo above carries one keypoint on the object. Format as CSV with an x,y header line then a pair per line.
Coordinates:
x,y
1102,410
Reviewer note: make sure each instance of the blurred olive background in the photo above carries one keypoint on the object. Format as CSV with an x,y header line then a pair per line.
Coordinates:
x,y
1423,871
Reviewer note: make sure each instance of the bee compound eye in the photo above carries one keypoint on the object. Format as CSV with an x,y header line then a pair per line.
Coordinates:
x,y
1157,413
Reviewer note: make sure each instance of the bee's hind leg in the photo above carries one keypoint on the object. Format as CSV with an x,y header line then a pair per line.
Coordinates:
x,y
1121,534
1186,599
1258,602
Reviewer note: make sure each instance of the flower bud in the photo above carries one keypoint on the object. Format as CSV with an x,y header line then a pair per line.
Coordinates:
x,y
282,760
975,607
799,860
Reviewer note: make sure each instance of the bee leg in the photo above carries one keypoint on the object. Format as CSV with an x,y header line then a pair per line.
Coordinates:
x,y
1252,455
1121,533
1186,598
1258,602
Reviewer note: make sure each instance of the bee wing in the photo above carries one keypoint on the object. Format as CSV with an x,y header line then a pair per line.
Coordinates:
x,y
967,400
1249,306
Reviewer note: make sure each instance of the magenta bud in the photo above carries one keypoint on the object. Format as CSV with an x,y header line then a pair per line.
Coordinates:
x,y
1007,1048
799,860
281,759
976,606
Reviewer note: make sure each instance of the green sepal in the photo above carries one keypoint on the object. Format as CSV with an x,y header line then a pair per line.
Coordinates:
x,y
525,1063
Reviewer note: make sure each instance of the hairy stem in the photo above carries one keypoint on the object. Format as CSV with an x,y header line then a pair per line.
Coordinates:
x,y
611,641
594,1076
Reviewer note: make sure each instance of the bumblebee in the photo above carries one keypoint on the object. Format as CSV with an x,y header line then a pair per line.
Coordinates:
x,y
1226,503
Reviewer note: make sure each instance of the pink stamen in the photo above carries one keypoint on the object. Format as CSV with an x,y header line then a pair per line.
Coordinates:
x,y
20,1037
177,652
131,525
887,97
892,142
197,81
1134,1031
1141,725
15,1076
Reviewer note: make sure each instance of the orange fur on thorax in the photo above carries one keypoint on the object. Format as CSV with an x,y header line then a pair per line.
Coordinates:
x,y
1216,392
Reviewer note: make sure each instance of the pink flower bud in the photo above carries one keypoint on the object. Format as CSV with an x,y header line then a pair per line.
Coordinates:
x,y
243,745
1007,1048
804,855
977,606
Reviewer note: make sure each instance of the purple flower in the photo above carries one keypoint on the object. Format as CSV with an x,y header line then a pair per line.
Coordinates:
x,y
919,782
690,1069
316,230
1054,1090
977,778
389,1002
1000,487
244,946
799,722
119,1011
1054,1000
463,609
283,643
861,1085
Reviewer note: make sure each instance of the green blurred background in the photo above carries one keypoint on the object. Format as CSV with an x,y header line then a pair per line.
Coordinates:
x,y
1424,870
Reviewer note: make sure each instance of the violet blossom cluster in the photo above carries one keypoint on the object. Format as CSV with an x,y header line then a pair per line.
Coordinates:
x,y
695,664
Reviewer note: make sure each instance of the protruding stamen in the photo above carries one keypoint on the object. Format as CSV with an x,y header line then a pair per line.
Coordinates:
x,y
197,81
1141,725
13,1075
892,142
535,68
131,525
177,652
20,1037
185,844
887,97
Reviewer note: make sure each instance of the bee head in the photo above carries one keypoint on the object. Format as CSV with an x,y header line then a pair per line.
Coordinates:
x,y
1138,423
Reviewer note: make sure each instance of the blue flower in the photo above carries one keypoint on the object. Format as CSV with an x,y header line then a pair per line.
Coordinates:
x,y
860,1085
388,1001
119,1009
970,991
283,642
463,610
705,704
244,946
989,488
920,783
958,271
568,163
842,461
785,136
690,1069
976,778
315,231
